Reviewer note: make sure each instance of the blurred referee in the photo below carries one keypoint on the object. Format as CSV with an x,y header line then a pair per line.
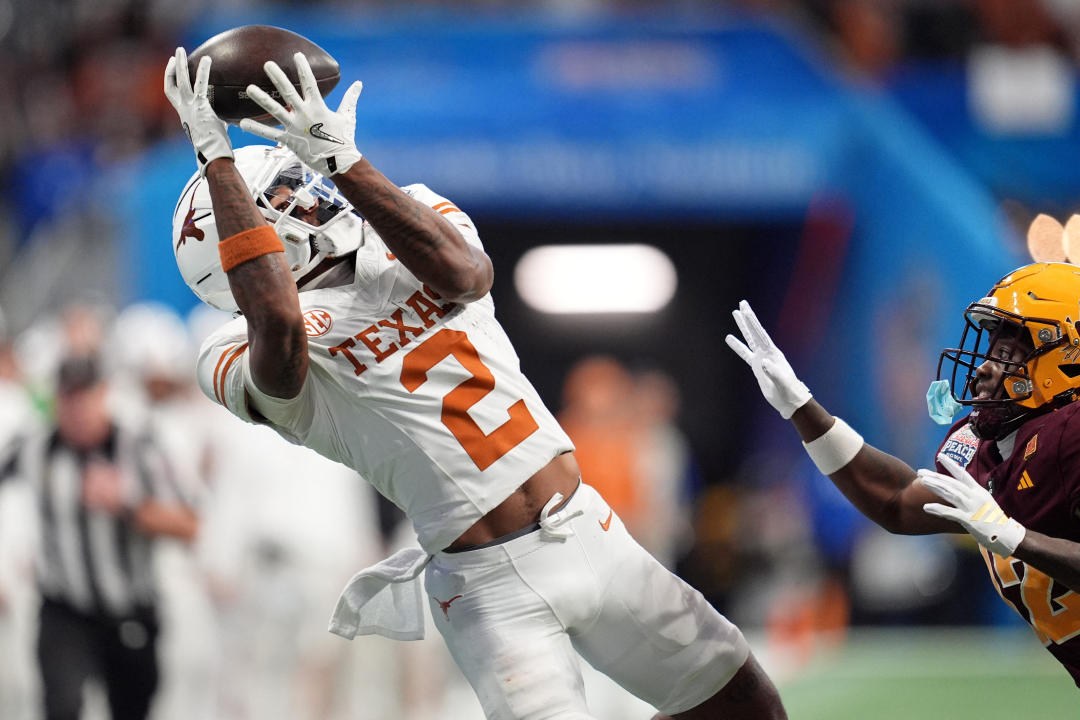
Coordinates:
x,y
103,493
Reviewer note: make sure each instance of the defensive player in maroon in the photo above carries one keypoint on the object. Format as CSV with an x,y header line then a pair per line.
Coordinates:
x,y
1008,473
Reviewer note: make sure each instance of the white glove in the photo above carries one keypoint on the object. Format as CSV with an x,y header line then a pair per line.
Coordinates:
x,y
778,383
973,507
324,140
207,132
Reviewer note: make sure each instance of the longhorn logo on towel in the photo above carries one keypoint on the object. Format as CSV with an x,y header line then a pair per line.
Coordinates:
x,y
445,606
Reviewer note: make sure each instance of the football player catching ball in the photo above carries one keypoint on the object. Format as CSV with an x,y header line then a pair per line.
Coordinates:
x,y
367,334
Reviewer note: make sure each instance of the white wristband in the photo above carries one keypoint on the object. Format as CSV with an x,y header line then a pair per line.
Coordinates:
x,y
835,449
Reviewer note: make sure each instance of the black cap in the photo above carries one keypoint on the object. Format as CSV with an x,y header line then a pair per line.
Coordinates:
x,y
78,372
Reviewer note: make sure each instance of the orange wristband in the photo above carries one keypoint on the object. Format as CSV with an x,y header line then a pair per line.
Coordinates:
x,y
247,245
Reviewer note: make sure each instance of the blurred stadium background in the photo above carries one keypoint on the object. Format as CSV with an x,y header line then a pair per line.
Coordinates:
x,y
860,170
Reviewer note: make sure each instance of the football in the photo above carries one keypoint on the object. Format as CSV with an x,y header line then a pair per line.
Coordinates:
x,y
238,56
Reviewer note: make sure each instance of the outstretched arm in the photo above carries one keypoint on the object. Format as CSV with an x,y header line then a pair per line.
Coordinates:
x,y
426,242
882,487
886,489
262,284
423,240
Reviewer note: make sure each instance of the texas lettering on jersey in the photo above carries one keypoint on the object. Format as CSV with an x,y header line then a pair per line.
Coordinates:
x,y
397,330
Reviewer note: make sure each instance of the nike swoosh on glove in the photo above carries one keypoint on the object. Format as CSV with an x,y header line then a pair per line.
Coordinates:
x,y
322,139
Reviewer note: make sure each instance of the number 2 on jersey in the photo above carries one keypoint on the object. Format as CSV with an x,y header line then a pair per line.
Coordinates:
x,y
483,448
1054,619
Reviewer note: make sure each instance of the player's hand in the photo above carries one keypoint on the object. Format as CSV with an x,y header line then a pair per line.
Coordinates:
x,y
323,139
103,488
972,506
208,133
778,383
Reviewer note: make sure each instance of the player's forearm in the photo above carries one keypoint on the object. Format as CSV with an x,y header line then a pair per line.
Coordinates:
x,y
1057,557
234,208
266,293
429,245
264,289
884,488
879,485
157,519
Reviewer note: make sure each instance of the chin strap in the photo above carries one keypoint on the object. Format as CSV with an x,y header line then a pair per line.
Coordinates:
x,y
336,272
1059,401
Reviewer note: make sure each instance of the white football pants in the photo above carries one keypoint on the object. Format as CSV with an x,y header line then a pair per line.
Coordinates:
x,y
514,614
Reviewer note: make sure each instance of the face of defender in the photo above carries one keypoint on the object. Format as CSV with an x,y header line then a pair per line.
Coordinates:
x,y
1007,353
1010,345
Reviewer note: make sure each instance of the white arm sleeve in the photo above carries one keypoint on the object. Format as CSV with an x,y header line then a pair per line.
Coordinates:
x,y
221,377
225,377
448,210
294,414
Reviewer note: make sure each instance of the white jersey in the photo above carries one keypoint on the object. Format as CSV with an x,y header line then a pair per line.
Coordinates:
x,y
422,397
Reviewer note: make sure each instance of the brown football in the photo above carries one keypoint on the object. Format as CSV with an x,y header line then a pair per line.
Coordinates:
x,y
238,56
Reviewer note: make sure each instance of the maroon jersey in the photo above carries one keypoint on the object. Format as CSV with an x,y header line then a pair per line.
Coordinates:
x,y
1038,486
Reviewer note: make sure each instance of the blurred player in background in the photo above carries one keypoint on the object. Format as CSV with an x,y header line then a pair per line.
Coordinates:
x,y
390,361
599,417
17,601
627,444
104,492
1009,471
149,353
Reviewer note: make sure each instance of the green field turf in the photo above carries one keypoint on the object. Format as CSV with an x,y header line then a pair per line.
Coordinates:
x,y
922,674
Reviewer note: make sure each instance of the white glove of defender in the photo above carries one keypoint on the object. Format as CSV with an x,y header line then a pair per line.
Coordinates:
x,y
208,133
323,140
778,383
973,507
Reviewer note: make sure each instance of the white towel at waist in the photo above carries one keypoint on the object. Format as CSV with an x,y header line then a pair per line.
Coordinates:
x,y
384,599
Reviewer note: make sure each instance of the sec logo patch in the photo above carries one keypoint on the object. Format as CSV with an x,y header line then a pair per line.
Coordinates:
x,y
317,322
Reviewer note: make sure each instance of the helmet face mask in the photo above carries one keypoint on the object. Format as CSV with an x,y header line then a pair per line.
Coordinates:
x,y
1007,347
288,194
1024,333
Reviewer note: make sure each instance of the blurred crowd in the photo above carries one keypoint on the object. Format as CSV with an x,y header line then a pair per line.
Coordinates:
x,y
84,86
243,603
874,37
84,79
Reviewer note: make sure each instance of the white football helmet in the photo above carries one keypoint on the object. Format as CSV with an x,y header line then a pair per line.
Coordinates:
x,y
280,183
149,339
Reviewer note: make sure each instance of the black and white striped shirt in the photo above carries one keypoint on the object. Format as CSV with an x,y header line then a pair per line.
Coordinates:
x,y
94,561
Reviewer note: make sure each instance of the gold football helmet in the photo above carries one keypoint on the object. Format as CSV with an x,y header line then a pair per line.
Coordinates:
x,y
1037,309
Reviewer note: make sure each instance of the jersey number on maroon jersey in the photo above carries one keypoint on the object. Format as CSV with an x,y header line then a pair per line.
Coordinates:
x,y
483,448
1055,619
